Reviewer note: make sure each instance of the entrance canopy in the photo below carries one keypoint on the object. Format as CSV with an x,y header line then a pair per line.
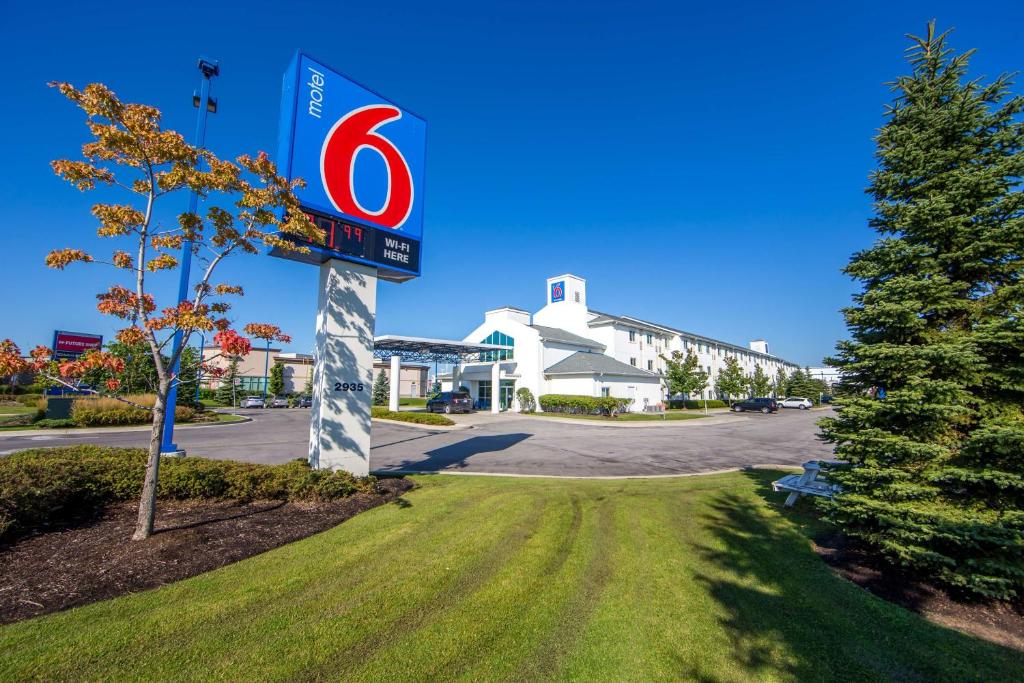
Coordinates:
x,y
423,350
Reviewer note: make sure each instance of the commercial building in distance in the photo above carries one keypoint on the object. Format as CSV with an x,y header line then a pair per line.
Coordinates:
x,y
568,348
298,369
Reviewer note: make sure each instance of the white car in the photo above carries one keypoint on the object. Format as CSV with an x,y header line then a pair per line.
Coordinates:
x,y
251,402
796,402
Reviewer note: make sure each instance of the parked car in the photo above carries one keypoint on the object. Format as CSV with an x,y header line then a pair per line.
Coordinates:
x,y
796,402
764,405
278,402
251,402
826,398
304,402
450,402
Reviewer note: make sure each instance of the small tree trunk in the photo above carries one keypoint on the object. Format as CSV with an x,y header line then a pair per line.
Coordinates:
x,y
147,504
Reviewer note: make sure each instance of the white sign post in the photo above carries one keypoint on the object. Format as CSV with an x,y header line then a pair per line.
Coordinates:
x,y
339,434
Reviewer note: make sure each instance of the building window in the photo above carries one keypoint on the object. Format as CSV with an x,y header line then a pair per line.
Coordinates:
x,y
650,339
650,365
252,383
497,338
606,392
632,361
632,335
576,297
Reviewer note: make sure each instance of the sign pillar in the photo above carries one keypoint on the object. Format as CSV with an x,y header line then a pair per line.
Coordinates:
x,y
339,434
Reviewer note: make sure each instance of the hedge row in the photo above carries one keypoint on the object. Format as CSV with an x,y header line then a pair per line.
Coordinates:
x,y
53,485
675,404
107,412
585,405
418,418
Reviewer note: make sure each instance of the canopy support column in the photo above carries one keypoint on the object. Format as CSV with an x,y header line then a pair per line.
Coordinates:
x,y
496,387
396,382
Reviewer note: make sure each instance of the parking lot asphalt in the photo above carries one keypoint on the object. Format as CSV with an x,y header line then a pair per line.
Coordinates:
x,y
504,444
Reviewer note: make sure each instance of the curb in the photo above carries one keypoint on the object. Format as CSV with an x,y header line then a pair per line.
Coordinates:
x,y
110,430
767,466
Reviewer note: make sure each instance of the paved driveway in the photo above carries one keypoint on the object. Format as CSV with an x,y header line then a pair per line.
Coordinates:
x,y
506,444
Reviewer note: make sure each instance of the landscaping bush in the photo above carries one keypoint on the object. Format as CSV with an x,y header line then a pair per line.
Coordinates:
x,y
676,404
586,405
106,412
527,404
418,418
46,486
59,423
30,400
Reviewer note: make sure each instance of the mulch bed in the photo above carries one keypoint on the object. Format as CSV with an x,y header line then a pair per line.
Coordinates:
x,y
994,621
96,560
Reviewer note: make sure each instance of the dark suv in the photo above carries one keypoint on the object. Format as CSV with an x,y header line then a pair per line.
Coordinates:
x,y
450,402
765,405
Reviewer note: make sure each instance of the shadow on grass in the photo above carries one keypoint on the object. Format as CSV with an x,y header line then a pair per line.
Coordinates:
x,y
786,614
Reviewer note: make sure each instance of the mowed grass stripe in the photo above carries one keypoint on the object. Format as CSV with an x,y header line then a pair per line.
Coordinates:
x,y
488,579
264,599
469,566
347,618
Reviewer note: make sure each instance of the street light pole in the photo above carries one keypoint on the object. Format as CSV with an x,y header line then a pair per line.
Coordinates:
x,y
266,374
206,105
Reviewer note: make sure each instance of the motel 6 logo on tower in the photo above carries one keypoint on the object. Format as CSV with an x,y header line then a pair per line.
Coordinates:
x,y
362,157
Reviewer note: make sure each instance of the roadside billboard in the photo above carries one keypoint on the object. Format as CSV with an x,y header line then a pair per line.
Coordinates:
x,y
74,344
362,157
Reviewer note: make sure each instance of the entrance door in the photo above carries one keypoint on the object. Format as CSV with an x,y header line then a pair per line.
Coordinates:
x,y
507,393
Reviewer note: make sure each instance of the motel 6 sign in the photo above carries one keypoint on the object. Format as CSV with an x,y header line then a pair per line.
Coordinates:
x,y
362,158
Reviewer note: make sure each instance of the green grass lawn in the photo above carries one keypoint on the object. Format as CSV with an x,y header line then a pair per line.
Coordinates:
x,y
629,417
16,410
410,401
486,578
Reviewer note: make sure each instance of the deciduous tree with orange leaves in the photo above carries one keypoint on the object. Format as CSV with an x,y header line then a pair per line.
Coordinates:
x,y
248,207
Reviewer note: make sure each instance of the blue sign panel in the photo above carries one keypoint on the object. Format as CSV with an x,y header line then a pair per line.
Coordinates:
x,y
362,158
558,291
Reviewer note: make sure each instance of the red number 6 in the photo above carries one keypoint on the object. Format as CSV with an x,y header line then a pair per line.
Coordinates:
x,y
351,133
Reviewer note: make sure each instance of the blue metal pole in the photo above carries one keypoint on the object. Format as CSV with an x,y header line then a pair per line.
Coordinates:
x,y
209,70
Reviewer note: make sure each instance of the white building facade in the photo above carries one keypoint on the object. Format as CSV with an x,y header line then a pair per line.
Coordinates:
x,y
568,348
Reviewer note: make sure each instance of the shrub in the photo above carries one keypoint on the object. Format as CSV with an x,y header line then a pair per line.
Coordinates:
x,y
30,400
106,412
585,405
58,423
418,418
527,404
53,485
675,404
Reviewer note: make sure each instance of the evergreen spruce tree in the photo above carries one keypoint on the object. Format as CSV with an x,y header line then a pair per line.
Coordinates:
x,y
189,374
225,393
760,383
937,477
381,389
732,381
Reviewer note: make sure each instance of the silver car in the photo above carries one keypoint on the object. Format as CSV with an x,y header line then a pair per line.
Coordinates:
x,y
251,402
796,402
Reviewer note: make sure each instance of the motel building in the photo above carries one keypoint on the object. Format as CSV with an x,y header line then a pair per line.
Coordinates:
x,y
568,348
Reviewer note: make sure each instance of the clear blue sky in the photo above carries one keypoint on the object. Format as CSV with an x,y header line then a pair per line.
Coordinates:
x,y
700,165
